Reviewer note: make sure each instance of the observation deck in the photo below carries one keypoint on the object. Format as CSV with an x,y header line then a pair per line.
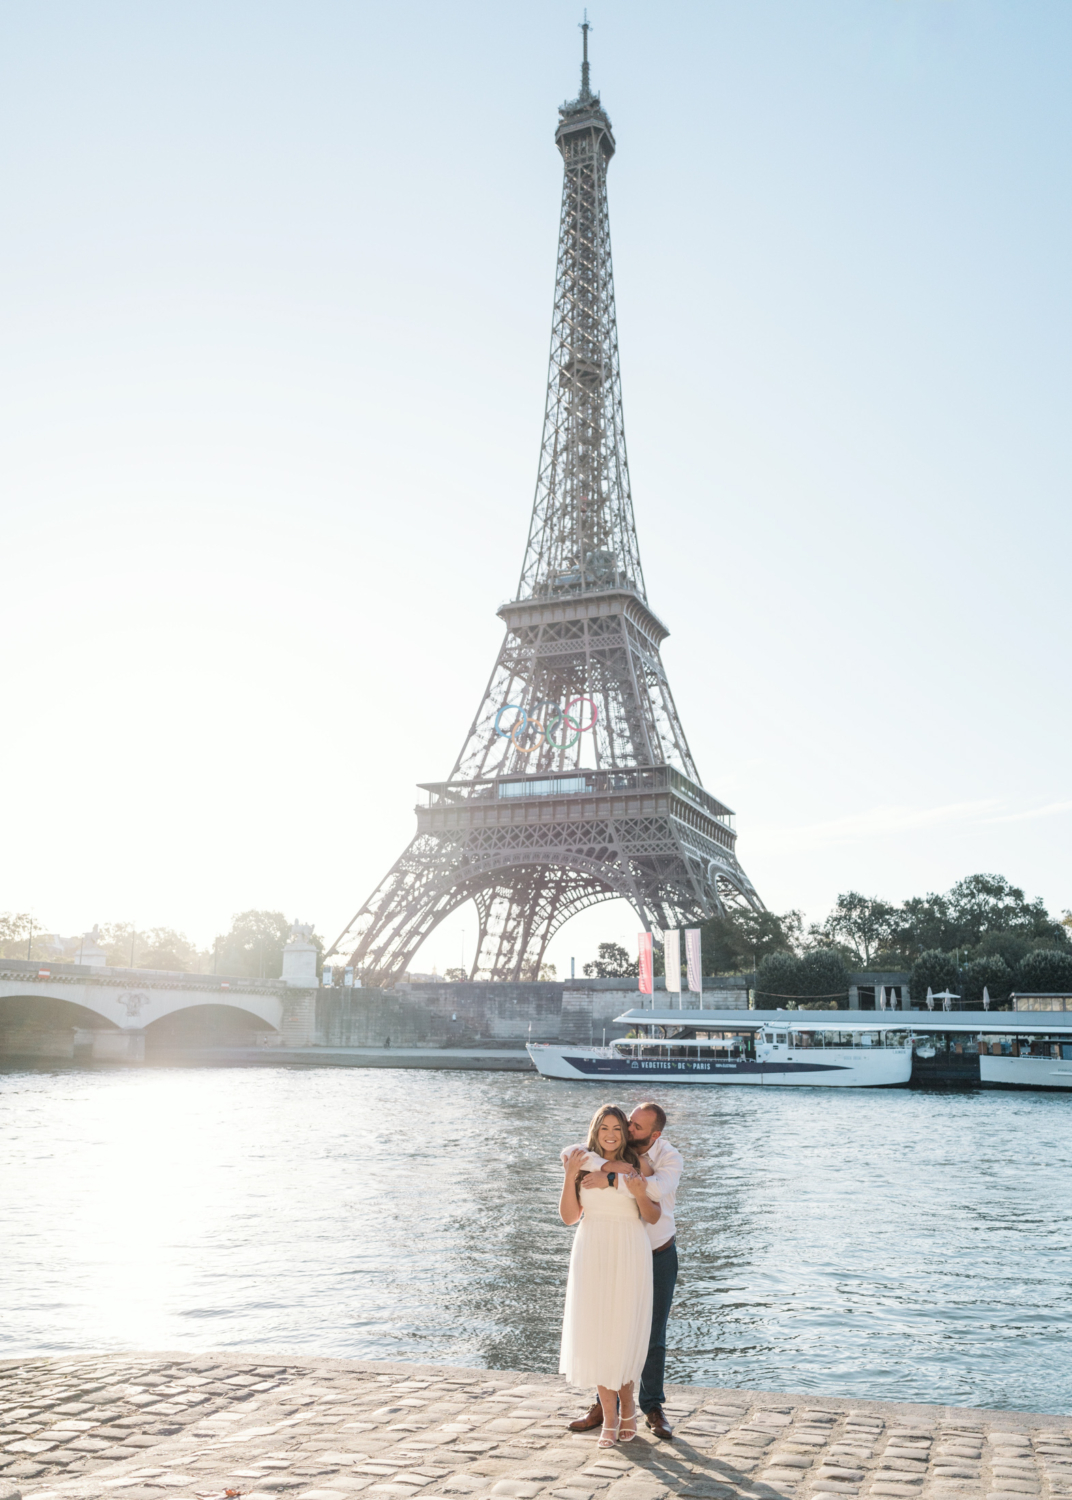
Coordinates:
x,y
593,604
577,796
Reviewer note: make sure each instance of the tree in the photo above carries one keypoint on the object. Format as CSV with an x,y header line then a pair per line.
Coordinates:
x,y
777,980
823,975
992,974
983,904
254,946
932,970
455,976
739,940
121,944
922,925
819,978
164,948
1047,971
15,933
862,925
613,963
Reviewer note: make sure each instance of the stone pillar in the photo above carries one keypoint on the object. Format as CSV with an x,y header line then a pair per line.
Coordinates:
x,y
90,951
299,1019
299,959
118,1046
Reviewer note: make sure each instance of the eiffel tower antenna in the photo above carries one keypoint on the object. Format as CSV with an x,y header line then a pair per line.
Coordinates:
x,y
575,783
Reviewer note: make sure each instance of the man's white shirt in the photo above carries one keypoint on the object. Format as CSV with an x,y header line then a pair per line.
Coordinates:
x,y
661,1186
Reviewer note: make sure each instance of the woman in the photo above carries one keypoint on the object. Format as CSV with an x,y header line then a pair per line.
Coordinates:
x,y
607,1322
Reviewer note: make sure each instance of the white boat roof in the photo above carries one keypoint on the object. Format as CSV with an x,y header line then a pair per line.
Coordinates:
x,y
1001,1022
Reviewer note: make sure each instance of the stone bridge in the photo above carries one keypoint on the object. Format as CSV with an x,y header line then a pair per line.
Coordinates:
x,y
72,1010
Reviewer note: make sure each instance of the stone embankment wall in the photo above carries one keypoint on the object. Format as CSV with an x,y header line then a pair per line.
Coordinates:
x,y
466,1015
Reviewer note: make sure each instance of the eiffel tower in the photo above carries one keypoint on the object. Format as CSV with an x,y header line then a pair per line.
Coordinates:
x,y
576,783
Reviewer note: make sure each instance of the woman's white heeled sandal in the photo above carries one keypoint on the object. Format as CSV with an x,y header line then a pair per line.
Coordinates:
x,y
604,1440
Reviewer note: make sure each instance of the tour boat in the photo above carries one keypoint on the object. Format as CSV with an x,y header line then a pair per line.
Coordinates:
x,y
830,1049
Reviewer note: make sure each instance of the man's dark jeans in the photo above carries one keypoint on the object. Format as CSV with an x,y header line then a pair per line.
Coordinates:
x,y
664,1279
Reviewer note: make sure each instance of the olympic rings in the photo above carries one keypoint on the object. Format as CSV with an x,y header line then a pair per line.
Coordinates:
x,y
543,726
506,733
581,728
528,724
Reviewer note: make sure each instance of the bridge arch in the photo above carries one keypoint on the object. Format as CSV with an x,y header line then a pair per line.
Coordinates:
x,y
134,1006
207,1025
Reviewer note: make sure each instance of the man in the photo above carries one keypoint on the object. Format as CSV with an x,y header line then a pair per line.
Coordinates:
x,y
646,1126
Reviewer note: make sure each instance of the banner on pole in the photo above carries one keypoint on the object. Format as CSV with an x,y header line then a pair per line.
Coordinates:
x,y
672,956
692,959
646,982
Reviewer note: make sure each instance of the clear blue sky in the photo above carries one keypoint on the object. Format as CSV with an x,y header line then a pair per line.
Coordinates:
x,y
276,289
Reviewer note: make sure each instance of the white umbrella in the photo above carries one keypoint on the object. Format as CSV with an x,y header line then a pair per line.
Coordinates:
x,y
930,998
882,997
986,998
946,997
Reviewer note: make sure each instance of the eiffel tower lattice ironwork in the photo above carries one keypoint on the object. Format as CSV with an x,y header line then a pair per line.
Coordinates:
x,y
576,783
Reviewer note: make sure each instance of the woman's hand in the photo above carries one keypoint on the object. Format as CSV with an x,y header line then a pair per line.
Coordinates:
x,y
575,1160
649,1210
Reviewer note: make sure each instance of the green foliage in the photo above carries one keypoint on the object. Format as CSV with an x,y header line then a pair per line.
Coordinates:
x,y
991,973
933,970
860,926
824,975
120,943
982,914
155,948
1047,969
455,976
165,948
777,979
254,946
821,977
613,963
15,933
740,940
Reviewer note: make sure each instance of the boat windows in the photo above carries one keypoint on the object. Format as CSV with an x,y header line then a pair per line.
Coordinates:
x,y
992,1045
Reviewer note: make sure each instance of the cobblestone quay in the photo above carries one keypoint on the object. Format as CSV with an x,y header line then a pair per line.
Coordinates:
x,y
177,1426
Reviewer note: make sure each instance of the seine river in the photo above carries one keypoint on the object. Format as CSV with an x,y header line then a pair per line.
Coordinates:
x,y
893,1245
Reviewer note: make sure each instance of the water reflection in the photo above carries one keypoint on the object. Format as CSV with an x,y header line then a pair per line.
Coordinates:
x,y
892,1245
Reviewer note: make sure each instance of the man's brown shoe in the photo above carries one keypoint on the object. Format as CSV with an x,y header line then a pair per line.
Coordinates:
x,y
593,1417
658,1423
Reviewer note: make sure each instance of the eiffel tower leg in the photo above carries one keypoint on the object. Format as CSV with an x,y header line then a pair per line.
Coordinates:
x,y
408,904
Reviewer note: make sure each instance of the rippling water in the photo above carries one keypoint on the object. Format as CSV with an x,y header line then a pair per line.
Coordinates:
x,y
893,1245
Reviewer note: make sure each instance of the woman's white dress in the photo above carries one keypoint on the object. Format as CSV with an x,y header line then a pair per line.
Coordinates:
x,y
606,1326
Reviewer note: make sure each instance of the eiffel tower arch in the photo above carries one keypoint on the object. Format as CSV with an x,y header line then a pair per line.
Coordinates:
x,y
575,783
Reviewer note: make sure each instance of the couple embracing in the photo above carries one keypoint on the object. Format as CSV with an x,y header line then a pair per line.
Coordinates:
x,y
620,1189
